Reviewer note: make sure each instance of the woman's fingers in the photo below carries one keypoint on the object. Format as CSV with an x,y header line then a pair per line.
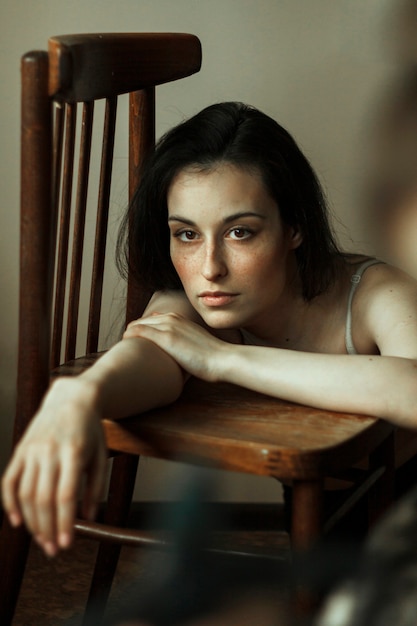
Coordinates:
x,y
9,492
48,490
44,506
139,319
67,493
162,320
36,495
194,349
26,490
42,490
63,442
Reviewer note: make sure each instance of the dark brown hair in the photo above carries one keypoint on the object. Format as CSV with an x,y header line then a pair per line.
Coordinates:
x,y
243,136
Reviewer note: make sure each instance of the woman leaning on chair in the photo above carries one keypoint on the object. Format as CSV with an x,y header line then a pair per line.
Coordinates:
x,y
249,288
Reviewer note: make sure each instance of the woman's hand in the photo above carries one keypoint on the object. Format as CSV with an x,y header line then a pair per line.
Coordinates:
x,y
196,351
63,445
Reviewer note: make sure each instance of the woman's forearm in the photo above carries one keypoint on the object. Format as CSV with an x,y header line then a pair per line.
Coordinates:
x,y
380,386
133,376
64,441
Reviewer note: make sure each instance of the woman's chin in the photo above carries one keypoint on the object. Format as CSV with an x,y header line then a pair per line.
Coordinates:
x,y
221,320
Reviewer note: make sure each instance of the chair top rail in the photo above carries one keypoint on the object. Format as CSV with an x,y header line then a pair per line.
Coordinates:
x,y
92,66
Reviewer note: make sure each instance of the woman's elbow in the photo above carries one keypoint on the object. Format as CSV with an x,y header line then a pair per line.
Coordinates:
x,y
403,410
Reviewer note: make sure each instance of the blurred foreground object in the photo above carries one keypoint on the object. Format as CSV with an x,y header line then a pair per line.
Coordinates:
x,y
384,590
392,175
193,583
392,194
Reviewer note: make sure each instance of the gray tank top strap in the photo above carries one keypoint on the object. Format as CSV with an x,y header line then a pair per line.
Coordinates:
x,y
355,279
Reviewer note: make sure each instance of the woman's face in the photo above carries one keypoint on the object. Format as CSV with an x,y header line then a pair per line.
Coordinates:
x,y
233,254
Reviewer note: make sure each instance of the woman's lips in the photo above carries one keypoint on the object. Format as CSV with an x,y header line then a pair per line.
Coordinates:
x,y
216,298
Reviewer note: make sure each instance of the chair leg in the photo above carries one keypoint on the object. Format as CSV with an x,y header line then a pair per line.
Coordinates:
x,y
14,549
122,483
307,513
381,495
306,527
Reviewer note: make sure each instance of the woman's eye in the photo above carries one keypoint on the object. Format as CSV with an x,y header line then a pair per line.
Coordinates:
x,y
240,233
186,235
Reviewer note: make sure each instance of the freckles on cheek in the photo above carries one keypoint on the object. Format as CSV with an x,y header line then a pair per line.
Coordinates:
x,y
259,269
255,265
183,268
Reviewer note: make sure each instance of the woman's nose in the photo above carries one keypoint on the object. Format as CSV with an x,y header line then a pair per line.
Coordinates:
x,y
214,265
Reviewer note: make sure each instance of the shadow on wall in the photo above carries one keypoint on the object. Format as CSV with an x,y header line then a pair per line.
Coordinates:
x,y
391,185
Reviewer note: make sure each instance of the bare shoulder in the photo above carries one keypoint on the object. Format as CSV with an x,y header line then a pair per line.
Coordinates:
x,y
171,301
176,301
387,302
384,282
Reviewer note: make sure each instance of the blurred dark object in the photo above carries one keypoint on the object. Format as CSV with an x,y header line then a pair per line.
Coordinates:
x,y
400,30
370,585
192,583
193,579
383,592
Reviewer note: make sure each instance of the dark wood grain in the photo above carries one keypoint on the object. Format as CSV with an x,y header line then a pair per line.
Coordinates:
x,y
93,66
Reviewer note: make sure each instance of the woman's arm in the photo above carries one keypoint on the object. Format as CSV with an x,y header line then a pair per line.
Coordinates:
x,y
64,442
383,385
132,377
379,386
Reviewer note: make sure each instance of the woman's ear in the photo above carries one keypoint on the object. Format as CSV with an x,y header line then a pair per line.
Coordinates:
x,y
296,237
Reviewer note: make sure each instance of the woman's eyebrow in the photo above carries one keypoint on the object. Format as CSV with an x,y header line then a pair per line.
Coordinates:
x,y
227,220
238,216
179,218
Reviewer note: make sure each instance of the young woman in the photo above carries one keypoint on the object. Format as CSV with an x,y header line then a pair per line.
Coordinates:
x,y
249,288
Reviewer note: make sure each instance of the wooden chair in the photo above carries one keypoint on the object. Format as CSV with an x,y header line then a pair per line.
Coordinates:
x,y
219,425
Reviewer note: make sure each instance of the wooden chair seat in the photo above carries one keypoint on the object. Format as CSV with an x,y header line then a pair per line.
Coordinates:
x,y
232,428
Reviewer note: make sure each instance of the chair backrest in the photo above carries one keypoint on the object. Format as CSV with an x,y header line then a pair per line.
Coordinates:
x,y
56,192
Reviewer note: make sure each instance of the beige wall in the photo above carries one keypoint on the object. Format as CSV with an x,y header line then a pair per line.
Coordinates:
x,y
315,65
